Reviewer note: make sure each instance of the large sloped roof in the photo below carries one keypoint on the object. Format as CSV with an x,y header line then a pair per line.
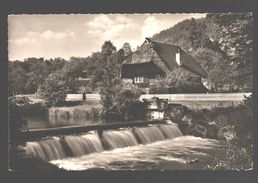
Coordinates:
x,y
168,52
146,69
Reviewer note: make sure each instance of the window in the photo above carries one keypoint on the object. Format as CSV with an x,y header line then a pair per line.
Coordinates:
x,y
138,80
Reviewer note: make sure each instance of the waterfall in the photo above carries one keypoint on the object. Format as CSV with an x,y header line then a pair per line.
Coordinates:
x,y
46,150
78,145
170,130
118,138
84,144
148,134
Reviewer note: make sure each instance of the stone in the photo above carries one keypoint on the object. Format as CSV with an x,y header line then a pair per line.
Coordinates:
x,y
199,131
212,130
226,133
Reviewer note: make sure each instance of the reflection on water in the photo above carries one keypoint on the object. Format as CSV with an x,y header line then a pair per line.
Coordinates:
x,y
36,122
182,153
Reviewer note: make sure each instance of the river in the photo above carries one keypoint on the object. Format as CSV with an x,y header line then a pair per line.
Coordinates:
x,y
181,153
152,147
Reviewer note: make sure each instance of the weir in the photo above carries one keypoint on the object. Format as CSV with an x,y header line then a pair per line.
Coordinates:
x,y
34,134
117,139
77,145
149,134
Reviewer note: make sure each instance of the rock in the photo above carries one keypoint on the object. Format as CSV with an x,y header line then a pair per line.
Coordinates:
x,y
226,133
212,130
193,161
176,112
199,131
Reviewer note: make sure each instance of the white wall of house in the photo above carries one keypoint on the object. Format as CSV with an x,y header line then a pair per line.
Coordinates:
x,y
156,114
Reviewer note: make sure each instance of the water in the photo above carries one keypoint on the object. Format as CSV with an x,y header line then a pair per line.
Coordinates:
x,y
46,150
182,153
159,147
170,131
39,122
84,144
118,139
149,134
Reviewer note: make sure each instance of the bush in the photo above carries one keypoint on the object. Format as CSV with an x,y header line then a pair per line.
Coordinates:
x,y
124,104
95,113
20,100
55,88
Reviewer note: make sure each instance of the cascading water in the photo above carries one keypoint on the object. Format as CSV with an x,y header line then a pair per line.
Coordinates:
x,y
48,149
148,134
84,144
118,139
79,145
170,130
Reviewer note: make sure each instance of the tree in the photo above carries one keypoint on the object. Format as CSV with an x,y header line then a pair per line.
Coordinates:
x,y
26,77
17,79
55,88
110,86
117,102
127,49
107,49
178,81
235,41
222,75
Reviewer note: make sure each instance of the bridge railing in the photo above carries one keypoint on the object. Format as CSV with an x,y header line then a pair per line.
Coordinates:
x,y
199,97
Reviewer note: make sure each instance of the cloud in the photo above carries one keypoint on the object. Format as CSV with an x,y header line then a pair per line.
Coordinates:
x,y
151,26
56,35
100,22
80,35
117,28
32,37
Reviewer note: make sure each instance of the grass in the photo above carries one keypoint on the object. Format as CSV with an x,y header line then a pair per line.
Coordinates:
x,y
85,110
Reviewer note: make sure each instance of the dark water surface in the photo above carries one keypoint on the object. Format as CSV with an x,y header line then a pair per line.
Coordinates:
x,y
38,122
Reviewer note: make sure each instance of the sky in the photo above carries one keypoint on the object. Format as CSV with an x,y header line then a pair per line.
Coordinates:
x,y
80,35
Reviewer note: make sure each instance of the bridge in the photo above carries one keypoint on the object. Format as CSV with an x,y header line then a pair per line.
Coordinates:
x,y
198,97
174,97
201,100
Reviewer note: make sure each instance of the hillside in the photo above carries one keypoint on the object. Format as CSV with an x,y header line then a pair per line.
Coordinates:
x,y
222,43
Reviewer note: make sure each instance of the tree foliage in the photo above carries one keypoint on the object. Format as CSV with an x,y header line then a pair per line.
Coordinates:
x,y
55,88
26,77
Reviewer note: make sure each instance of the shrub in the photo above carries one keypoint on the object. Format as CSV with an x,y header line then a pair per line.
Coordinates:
x,y
95,113
124,104
77,113
55,88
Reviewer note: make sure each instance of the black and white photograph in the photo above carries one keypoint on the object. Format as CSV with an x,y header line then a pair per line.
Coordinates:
x,y
130,91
